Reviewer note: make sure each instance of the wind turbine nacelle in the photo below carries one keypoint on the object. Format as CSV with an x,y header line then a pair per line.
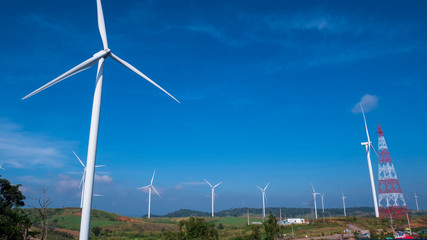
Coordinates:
x,y
364,143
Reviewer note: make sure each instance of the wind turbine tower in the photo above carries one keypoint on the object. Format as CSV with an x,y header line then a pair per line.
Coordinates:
x,y
343,203
390,196
150,186
99,58
213,195
368,146
416,200
263,198
323,206
315,202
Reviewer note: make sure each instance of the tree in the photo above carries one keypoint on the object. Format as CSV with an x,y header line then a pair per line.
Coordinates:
x,y
197,228
43,203
96,231
256,233
14,222
271,228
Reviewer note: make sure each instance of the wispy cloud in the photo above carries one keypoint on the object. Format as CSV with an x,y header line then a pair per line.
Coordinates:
x,y
103,179
22,149
182,185
369,103
64,183
33,179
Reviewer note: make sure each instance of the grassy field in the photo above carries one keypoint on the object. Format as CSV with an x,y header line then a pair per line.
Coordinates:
x,y
113,226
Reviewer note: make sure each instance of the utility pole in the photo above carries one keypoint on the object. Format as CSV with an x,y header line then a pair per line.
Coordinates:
x,y
409,224
248,217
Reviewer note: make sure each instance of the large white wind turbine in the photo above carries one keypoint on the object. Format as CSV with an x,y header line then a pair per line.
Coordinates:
x,y
83,178
343,203
93,136
213,195
263,198
315,202
368,146
149,193
416,200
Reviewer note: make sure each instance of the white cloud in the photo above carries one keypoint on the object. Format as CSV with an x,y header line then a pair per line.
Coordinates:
x,y
369,103
65,183
22,149
103,179
33,179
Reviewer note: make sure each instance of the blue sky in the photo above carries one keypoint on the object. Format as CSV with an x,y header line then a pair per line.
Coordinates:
x,y
267,93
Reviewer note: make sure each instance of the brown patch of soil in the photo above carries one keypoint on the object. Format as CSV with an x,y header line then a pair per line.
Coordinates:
x,y
128,219
75,234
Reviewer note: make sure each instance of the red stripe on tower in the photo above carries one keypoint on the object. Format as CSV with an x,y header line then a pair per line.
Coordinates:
x,y
390,197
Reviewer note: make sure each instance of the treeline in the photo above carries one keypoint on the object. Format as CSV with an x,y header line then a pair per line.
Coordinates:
x,y
286,212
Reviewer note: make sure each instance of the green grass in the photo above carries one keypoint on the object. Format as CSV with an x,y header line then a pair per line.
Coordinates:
x,y
229,221
72,222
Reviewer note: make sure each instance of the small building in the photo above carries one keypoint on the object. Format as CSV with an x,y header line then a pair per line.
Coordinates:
x,y
289,221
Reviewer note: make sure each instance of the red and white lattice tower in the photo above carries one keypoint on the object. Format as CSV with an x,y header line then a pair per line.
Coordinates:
x,y
390,197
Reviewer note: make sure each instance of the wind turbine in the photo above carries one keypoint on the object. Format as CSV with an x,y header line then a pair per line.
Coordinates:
x,y
96,107
315,202
323,206
343,203
213,195
1,166
149,193
83,178
263,198
368,146
416,200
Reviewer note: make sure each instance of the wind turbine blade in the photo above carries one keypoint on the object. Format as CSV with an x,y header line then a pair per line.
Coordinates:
x,y
217,185
144,187
124,63
97,195
266,186
259,188
208,182
82,66
366,125
101,166
375,151
79,159
83,178
153,177
101,24
156,191
314,191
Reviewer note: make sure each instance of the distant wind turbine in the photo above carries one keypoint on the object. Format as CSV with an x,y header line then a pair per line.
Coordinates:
x,y
96,107
149,193
343,203
213,194
1,166
83,178
323,206
368,146
263,198
315,202
416,200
